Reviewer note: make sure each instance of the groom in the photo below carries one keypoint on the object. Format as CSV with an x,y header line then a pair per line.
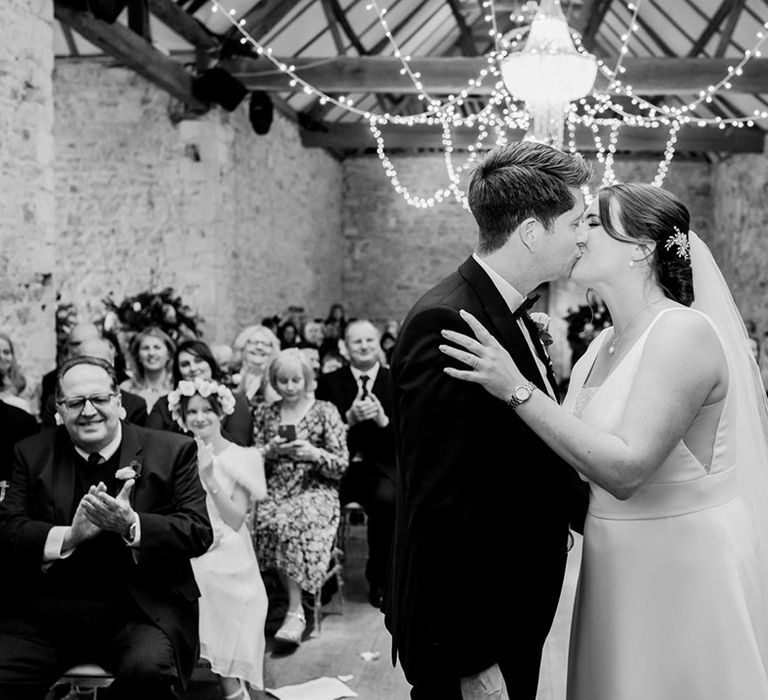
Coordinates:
x,y
484,506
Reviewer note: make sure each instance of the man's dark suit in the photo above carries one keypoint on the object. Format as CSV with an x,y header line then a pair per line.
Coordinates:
x,y
174,527
135,409
15,425
370,479
483,505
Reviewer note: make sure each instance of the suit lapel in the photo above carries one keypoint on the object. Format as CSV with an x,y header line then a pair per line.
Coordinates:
x,y
533,331
505,326
131,451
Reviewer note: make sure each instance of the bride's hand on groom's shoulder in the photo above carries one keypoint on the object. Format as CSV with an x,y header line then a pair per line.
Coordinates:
x,y
487,362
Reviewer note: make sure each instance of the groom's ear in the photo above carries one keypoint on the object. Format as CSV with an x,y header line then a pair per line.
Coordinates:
x,y
527,232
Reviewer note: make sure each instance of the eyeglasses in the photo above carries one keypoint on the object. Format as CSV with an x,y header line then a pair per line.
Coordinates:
x,y
77,403
258,344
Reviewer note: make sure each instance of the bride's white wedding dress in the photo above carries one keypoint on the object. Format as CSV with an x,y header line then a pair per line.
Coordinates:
x,y
670,597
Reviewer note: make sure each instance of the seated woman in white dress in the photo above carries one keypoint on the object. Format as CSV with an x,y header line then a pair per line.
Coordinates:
x,y
233,602
667,420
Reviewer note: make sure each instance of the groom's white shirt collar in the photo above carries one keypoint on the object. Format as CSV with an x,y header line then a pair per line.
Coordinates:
x,y
513,298
507,291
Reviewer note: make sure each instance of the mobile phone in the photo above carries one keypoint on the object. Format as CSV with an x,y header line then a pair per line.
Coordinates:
x,y
287,432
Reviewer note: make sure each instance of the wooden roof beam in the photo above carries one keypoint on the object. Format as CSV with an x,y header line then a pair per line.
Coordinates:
x,y
356,136
133,51
448,75
727,32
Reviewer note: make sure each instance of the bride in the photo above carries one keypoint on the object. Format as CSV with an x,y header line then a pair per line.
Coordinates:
x,y
666,419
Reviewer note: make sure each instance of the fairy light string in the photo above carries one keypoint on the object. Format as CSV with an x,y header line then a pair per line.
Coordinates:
x,y
502,113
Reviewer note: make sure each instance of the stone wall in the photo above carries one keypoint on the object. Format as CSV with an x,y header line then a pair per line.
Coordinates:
x,y
739,238
26,182
240,224
396,252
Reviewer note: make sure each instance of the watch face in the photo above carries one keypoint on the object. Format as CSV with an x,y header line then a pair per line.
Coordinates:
x,y
522,393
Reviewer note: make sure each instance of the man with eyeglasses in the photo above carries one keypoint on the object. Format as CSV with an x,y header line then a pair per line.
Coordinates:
x,y
96,532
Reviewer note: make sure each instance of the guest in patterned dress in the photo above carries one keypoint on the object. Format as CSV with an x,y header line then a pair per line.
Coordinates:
x,y
305,454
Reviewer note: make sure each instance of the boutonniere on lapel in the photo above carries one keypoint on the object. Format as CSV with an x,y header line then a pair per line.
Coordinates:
x,y
132,470
541,321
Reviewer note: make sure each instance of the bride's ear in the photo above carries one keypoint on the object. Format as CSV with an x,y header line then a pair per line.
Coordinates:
x,y
643,252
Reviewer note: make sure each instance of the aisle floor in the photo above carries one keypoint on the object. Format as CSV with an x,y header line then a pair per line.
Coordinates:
x,y
336,651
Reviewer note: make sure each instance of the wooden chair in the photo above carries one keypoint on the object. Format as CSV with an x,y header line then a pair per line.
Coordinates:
x,y
84,681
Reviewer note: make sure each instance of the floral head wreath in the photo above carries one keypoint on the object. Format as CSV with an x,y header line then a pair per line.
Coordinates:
x,y
680,240
203,387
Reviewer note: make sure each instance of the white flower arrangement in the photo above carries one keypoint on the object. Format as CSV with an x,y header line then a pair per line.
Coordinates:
x,y
203,387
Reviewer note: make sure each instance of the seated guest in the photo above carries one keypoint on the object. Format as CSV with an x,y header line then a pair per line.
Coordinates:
x,y
12,381
313,333
256,346
312,353
15,425
288,333
233,600
305,455
98,528
133,407
193,358
151,351
361,393
79,333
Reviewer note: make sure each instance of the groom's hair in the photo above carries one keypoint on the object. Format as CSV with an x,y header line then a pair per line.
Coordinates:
x,y
518,181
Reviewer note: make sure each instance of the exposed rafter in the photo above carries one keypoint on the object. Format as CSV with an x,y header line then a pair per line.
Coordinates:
x,y
726,33
357,136
133,51
375,74
590,18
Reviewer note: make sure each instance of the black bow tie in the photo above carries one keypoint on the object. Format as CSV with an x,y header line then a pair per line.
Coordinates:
x,y
525,307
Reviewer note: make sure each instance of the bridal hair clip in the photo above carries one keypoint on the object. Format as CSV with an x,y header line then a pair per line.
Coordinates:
x,y
681,241
204,388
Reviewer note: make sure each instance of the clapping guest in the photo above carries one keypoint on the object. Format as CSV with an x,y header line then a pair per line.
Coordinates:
x,y
12,381
192,359
257,346
151,350
233,602
133,408
305,454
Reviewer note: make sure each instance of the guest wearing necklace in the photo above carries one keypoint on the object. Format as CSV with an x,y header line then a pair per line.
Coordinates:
x,y
152,351
305,455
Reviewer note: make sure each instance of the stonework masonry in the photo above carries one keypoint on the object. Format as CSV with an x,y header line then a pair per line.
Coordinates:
x,y
27,222
739,239
241,225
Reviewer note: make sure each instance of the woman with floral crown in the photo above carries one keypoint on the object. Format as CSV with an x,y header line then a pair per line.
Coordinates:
x,y
667,421
233,602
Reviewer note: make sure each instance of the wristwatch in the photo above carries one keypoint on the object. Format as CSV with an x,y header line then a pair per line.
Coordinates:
x,y
130,534
520,394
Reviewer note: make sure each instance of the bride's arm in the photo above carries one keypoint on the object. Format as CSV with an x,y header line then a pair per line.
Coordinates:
x,y
681,366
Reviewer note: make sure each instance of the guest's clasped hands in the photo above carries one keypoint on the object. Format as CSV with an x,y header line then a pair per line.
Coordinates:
x,y
369,408
490,365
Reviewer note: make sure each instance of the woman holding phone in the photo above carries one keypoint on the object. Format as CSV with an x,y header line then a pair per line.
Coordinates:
x,y
305,455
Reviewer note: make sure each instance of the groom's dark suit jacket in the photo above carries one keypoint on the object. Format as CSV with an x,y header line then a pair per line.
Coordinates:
x,y
169,499
483,505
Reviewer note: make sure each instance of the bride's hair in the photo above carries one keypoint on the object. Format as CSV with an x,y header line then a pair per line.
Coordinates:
x,y
651,214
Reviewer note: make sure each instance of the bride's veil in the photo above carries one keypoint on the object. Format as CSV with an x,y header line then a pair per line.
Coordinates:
x,y
748,397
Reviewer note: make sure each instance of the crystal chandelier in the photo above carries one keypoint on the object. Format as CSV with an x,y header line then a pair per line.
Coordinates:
x,y
548,73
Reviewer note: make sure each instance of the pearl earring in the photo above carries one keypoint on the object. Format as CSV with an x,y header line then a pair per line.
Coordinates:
x,y
631,263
